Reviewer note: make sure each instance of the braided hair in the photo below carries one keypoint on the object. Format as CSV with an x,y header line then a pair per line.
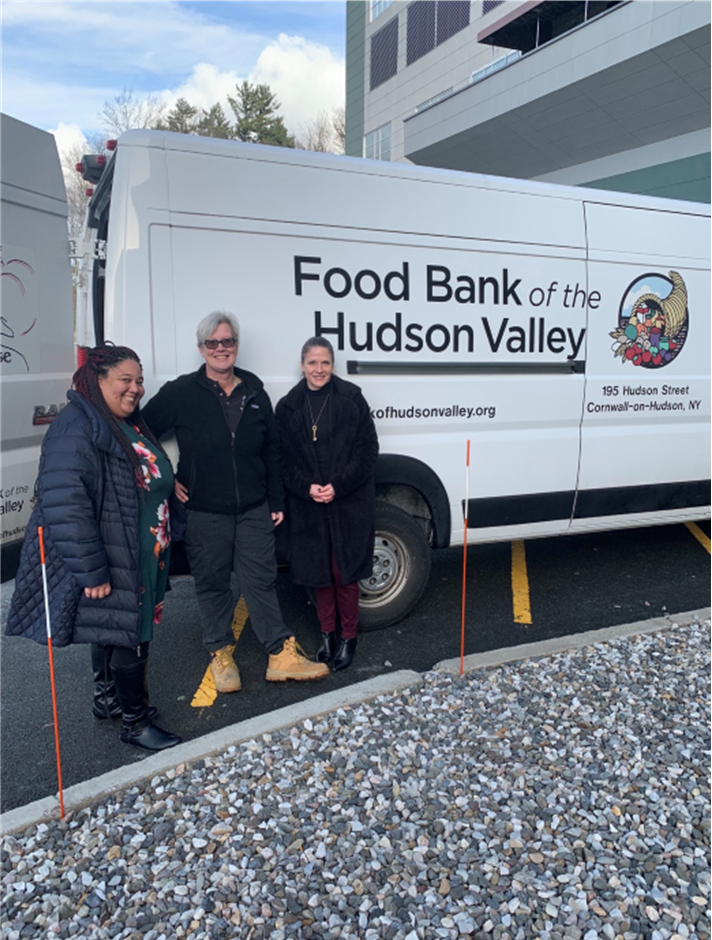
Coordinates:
x,y
99,361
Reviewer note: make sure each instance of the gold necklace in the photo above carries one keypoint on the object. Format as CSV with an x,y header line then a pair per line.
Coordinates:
x,y
315,421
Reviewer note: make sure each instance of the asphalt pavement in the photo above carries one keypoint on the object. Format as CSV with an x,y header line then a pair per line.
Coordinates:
x,y
578,584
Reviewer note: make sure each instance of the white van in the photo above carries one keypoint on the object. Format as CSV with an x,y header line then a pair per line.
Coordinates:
x,y
564,332
37,331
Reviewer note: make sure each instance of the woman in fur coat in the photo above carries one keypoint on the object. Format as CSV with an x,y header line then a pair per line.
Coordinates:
x,y
329,449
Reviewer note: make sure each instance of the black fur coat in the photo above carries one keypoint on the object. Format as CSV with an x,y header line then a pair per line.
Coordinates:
x,y
347,522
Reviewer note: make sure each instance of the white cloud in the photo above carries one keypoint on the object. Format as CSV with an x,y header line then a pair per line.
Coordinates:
x,y
48,103
63,60
69,138
131,38
306,77
206,86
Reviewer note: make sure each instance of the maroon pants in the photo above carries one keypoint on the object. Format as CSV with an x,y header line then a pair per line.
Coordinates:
x,y
343,597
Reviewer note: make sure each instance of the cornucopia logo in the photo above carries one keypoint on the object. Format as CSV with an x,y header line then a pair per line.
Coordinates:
x,y
652,321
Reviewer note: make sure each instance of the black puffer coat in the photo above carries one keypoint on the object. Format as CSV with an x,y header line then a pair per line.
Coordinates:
x,y
87,503
348,520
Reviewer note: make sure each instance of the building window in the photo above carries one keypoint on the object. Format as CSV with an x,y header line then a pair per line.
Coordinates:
x,y
452,16
378,7
547,20
420,30
489,5
377,144
384,53
430,23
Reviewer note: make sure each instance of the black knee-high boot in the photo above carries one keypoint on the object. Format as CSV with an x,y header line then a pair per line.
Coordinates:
x,y
129,672
106,704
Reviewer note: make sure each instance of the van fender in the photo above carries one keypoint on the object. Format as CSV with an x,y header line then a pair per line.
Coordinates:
x,y
416,488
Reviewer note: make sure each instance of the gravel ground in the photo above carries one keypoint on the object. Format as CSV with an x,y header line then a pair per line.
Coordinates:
x,y
563,797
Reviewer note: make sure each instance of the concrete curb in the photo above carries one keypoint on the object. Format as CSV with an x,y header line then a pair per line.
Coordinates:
x,y
92,791
561,644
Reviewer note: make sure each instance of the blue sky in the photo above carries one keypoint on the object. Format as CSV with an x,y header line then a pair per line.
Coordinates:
x,y
63,59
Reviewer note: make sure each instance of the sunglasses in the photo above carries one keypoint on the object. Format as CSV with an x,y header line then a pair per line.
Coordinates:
x,y
214,343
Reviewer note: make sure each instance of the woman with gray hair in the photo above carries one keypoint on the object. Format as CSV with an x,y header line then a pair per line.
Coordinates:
x,y
228,477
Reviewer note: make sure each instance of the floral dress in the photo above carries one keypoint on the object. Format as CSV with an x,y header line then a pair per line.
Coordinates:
x,y
154,529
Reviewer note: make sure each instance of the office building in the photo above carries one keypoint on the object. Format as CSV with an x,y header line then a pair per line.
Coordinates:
x,y
614,95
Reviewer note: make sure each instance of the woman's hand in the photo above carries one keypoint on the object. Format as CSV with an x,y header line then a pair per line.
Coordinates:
x,y
181,492
99,592
321,494
277,517
327,493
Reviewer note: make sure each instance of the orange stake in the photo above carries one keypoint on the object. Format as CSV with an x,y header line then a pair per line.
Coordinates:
x,y
51,671
464,560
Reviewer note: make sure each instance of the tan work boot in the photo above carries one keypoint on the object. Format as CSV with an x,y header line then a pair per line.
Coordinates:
x,y
291,663
225,672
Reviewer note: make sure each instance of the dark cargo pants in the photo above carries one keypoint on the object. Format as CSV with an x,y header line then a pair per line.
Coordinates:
x,y
218,544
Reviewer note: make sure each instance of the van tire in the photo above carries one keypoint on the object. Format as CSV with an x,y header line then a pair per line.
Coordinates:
x,y
401,569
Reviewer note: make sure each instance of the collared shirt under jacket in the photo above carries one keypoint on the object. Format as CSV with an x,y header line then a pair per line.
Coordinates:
x,y
223,472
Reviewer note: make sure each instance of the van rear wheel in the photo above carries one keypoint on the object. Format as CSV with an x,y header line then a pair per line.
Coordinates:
x,y
401,567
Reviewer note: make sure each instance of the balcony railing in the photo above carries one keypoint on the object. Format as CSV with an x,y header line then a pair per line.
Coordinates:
x,y
477,76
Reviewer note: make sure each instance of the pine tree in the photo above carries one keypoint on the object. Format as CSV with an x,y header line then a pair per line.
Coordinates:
x,y
256,118
181,118
214,123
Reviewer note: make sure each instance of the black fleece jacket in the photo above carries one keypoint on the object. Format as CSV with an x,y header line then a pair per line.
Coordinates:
x,y
223,473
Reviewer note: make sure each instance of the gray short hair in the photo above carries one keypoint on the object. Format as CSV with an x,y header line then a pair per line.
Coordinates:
x,y
209,324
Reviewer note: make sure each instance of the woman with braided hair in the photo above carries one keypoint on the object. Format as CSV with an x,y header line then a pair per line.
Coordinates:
x,y
102,493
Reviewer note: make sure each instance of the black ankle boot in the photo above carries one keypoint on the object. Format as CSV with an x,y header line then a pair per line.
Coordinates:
x,y
136,726
344,654
326,650
146,735
106,704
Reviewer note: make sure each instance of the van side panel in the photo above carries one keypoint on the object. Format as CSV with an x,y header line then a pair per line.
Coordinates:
x,y
139,198
647,403
524,427
37,336
275,184
466,307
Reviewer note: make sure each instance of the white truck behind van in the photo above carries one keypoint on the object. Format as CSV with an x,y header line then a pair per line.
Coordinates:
x,y
564,332
37,326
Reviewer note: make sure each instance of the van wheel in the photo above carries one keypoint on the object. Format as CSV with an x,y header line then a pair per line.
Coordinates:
x,y
401,567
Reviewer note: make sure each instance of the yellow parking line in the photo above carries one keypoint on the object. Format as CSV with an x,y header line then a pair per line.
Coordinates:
x,y
239,618
207,693
520,584
699,535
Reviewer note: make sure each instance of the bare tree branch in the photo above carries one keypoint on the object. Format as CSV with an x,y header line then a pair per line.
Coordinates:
x,y
325,133
338,124
315,134
126,111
